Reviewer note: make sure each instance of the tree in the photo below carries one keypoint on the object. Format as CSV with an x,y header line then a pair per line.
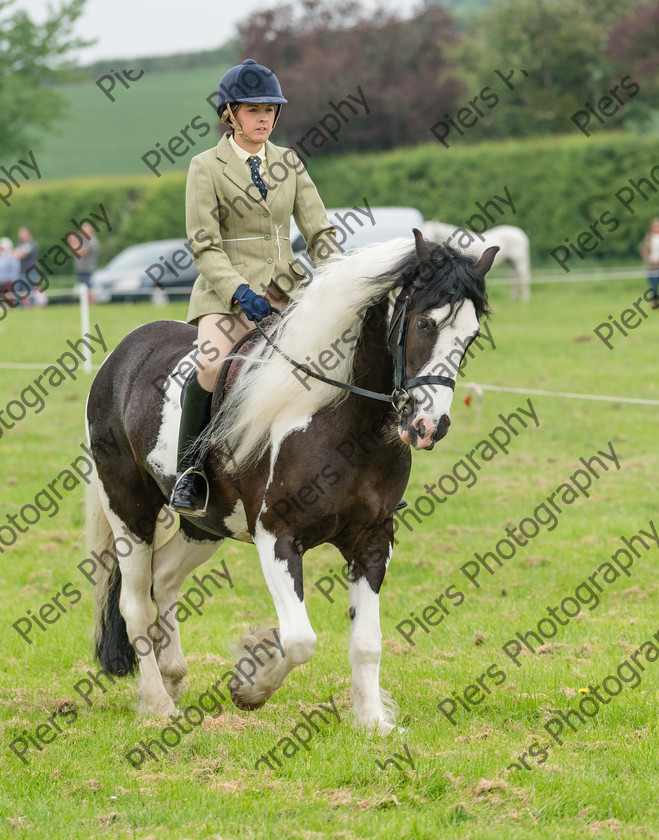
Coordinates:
x,y
324,50
560,44
633,45
33,58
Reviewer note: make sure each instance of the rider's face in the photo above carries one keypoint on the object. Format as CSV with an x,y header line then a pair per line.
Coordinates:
x,y
256,121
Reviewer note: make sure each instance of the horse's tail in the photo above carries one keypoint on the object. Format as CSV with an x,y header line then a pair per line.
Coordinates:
x,y
111,646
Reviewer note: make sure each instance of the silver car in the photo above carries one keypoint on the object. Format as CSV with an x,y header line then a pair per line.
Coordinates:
x,y
152,271
359,226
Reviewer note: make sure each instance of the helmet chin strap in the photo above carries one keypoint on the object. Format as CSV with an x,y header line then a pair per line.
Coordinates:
x,y
235,125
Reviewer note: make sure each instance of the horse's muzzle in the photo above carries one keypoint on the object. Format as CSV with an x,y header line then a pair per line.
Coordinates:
x,y
424,432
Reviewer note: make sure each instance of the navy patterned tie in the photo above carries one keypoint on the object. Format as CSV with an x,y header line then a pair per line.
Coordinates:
x,y
255,162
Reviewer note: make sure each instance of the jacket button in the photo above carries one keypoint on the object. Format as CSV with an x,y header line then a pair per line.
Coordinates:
x,y
266,237
266,214
269,260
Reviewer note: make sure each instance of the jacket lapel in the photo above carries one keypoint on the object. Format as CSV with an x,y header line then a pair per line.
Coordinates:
x,y
238,173
273,156
232,168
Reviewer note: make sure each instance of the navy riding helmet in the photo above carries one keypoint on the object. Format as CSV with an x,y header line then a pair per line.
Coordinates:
x,y
249,82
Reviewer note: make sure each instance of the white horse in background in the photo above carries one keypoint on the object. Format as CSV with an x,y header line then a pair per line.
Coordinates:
x,y
513,242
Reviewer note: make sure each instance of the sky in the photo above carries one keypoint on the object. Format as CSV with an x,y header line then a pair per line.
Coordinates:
x,y
132,28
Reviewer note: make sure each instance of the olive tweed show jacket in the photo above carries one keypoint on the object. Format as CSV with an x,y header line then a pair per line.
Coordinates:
x,y
238,237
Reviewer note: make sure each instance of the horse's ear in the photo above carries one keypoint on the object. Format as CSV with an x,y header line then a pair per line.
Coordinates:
x,y
484,264
423,252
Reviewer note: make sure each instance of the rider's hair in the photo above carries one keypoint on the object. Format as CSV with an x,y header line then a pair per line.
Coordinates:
x,y
228,116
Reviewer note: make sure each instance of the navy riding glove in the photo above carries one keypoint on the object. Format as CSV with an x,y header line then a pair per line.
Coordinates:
x,y
255,307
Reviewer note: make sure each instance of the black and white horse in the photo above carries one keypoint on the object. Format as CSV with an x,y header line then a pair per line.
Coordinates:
x,y
292,461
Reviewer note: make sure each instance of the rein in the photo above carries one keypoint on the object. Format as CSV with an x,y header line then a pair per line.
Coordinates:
x,y
400,396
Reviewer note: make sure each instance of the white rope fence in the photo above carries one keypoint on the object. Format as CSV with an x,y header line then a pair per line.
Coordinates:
x,y
541,276
561,394
479,390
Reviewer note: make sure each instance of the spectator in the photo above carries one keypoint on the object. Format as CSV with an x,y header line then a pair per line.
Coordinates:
x,y
9,270
88,259
27,253
650,252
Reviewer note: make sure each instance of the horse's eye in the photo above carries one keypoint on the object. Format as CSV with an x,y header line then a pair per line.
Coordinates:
x,y
424,324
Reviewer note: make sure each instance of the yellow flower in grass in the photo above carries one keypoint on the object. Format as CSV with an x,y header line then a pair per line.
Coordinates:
x,y
583,691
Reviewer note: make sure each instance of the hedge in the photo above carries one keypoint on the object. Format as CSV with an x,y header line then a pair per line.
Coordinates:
x,y
559,187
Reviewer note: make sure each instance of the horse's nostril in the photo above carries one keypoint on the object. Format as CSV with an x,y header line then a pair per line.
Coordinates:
x,y
442,427
421,428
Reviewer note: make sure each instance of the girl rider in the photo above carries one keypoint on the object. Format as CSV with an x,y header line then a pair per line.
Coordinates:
x,y
240,196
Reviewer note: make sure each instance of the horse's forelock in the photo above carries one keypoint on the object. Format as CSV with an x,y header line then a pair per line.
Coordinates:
x,y
451,278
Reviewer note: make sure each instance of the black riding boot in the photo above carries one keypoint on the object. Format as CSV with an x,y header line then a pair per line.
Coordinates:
x,y
190,493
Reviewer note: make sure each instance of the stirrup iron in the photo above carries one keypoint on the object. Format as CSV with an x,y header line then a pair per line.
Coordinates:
x,y
190,513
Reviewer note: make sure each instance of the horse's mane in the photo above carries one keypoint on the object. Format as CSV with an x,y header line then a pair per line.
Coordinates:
x,y
267,399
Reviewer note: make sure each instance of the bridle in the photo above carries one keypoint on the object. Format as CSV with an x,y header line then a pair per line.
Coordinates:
x,y
400,396
401,384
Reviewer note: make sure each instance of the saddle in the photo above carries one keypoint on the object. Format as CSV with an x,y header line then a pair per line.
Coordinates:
x,y
231,366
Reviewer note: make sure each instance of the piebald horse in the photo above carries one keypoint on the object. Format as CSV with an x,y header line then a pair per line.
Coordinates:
x,y
292,461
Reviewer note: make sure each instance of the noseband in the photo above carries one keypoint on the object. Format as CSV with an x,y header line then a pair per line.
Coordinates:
x,y
400,397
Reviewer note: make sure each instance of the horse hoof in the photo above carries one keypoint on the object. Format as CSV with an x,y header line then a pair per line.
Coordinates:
x,y
242,703
160,710
174,688
247,707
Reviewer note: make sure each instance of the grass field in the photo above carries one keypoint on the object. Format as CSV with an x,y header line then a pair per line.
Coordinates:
x,y
602,780
109,138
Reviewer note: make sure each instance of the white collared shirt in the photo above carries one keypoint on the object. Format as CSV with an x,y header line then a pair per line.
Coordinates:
x,y
244,156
